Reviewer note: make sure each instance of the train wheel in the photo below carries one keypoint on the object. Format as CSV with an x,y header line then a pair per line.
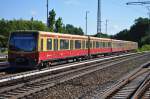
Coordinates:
x,y
40,66
49,64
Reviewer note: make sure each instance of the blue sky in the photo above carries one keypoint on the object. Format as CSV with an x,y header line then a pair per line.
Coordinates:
x,y
119,14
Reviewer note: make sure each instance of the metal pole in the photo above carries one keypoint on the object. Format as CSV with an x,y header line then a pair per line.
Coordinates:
x,y
88,39
32,22
86,22
148,7
106,26
99,17
47,13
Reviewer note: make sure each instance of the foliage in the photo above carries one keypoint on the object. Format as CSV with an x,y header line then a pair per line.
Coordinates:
x,y
59,25
7,26
139,32
122,35
145,39
101,35
145,48
2,41
51,20
70,29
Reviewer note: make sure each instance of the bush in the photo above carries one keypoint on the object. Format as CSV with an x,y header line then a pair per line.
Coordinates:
x,y
145,48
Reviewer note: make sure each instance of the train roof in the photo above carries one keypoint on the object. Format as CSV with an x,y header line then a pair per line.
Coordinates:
x,y
77,36
71,35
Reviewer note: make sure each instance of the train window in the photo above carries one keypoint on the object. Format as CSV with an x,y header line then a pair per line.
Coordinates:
x,y
97,45
91,44
87,44
49,44
41,44
71,44
100,44
94,44
77,44
64,44
106,44
83,44
109,44
55,44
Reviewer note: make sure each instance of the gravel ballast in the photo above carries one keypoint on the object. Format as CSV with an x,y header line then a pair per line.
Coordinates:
x,y
91,86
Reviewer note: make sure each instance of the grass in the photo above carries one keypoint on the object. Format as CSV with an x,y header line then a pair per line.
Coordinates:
x,y
144,48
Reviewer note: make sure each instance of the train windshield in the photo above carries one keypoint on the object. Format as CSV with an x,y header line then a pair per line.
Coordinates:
x,y
22,42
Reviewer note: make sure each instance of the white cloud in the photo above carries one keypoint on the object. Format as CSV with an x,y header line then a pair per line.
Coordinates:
x,y
72,2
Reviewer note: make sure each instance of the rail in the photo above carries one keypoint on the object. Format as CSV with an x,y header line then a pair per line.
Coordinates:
x,y
37,72
28,85
132,86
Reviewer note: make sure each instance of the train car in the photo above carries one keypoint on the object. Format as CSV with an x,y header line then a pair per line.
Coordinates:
x,y
29,49
100,46
123,46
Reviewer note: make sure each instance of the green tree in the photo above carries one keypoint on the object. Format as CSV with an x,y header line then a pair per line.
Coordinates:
x,y
4,28
139,32
2,41
79,31
122,35
70,29
145,40
139,29
51,20
7,26
59,25
101,35
63,29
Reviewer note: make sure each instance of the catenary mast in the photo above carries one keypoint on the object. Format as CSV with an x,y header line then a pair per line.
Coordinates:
x,y
47,12
99,17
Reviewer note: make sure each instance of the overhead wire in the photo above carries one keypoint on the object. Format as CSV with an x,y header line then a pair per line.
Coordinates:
x,y
135,10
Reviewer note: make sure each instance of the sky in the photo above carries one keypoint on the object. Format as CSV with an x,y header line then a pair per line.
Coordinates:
x,y
119,15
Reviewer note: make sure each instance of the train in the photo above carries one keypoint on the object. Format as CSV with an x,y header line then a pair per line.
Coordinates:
x,y
32,49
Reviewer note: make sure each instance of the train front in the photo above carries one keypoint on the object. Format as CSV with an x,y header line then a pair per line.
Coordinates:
x,y
23,51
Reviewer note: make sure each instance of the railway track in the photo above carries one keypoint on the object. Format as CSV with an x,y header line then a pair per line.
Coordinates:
x,y
9,71
25,85
147,94
134,86
6,70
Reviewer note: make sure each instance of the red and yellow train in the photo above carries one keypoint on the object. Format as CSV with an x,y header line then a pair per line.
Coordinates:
x,y
29,49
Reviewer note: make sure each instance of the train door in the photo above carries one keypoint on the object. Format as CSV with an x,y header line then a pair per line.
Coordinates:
x,y
89,43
